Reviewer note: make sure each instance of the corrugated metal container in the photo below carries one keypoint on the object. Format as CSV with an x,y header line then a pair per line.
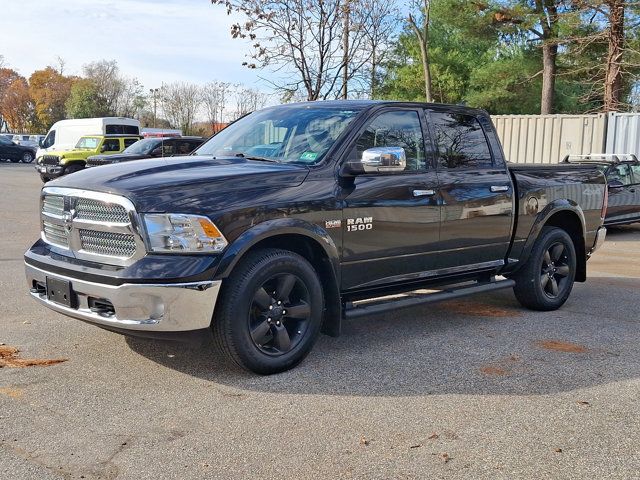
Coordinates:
x,y
623,133
548,138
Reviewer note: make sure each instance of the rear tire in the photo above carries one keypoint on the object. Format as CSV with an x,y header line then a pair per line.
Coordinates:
x,y
269,311
27,157
546,280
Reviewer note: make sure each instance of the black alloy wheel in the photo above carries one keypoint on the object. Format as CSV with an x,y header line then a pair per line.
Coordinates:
x,y
269,311
554,276
279,315
546,279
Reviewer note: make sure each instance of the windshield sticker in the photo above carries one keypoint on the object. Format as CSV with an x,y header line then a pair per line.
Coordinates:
x,y
309,156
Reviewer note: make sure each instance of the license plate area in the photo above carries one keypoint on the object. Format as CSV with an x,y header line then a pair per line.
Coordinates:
x,y
60,292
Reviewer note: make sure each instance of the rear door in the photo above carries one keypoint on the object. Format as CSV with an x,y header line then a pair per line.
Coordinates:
x,y
475,191
391,220
622,194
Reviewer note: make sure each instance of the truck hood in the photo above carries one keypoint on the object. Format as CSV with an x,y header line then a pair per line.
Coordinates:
x,y
119,157
154,185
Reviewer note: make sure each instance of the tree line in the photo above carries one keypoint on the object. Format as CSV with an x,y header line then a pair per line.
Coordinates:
x,y
34,104
506,56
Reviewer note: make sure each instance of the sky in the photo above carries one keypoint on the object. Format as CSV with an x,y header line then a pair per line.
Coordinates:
x,y
154,41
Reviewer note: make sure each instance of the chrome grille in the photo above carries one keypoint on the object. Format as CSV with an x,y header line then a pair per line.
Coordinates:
x,y
107,243
98,211
53,204
93,226
55,234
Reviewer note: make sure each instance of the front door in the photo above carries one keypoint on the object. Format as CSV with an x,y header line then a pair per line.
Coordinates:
x,y
391,220
476,193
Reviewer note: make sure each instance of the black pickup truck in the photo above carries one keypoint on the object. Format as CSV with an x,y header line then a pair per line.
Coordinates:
x,y
298,216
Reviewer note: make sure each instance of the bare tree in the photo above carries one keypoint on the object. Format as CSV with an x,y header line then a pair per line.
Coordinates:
x,y
214,97
248,100
318,46
180,102
379,30
117,94
420,28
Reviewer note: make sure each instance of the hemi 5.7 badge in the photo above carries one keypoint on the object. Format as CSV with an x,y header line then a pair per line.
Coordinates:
x,y
333,224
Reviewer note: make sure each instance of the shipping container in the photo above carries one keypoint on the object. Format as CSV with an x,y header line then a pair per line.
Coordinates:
x,y
623,133
549,138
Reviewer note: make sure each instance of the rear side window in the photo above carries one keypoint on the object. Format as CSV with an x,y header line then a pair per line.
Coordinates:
x,y
111,145
636,173
396,129
122,130
460,141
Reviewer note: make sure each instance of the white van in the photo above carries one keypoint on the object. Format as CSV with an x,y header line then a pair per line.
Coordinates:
x,y
64,135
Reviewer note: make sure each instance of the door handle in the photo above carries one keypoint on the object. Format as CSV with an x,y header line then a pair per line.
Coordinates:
x,y
424,193
499,188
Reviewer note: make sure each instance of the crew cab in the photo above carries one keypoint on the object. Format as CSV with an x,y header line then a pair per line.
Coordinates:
x,y
55,164
623,178
352,208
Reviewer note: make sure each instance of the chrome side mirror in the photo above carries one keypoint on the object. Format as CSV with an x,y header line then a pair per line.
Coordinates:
x,y
377,160
384,159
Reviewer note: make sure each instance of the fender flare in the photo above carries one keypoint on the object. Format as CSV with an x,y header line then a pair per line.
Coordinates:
x,y
557,206
272,228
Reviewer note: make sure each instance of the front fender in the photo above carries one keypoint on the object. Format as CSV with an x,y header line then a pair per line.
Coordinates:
x,y
272,228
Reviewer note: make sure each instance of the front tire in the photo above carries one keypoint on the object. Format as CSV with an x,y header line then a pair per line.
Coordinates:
x,y
546,280
269,312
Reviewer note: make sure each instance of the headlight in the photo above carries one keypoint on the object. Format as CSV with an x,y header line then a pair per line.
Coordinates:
x,y
178,233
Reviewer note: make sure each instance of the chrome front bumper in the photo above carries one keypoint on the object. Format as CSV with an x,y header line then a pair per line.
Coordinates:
x,y
601,235
174,307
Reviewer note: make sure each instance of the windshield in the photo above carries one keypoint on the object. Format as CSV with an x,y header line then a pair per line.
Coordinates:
x,y
142,147
301,134
88,142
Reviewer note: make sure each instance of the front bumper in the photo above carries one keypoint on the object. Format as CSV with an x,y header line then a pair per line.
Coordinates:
x,y
51,170
174,307
601,235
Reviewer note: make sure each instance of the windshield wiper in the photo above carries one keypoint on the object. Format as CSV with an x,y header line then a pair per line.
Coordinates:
x,y
259,159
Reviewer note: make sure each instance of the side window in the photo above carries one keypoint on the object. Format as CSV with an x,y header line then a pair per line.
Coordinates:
x,y
396,129
111,145
129,141
49,140
168,148
636,173
460,141
621,172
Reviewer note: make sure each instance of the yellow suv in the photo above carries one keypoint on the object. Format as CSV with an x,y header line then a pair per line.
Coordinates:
x,y
55,164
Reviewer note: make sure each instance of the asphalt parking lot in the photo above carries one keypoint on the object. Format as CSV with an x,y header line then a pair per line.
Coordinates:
x,y
478,388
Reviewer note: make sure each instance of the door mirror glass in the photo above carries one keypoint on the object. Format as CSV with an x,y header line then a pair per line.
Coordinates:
x,y
378,160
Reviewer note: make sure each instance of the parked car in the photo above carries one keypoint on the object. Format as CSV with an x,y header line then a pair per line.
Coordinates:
x,y
56,164
26,140
149,148
357,202
623,177
63,135
10,150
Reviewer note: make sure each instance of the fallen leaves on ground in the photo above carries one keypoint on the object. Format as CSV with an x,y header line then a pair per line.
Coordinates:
x,y
11,392
9,358
561,346
466,307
